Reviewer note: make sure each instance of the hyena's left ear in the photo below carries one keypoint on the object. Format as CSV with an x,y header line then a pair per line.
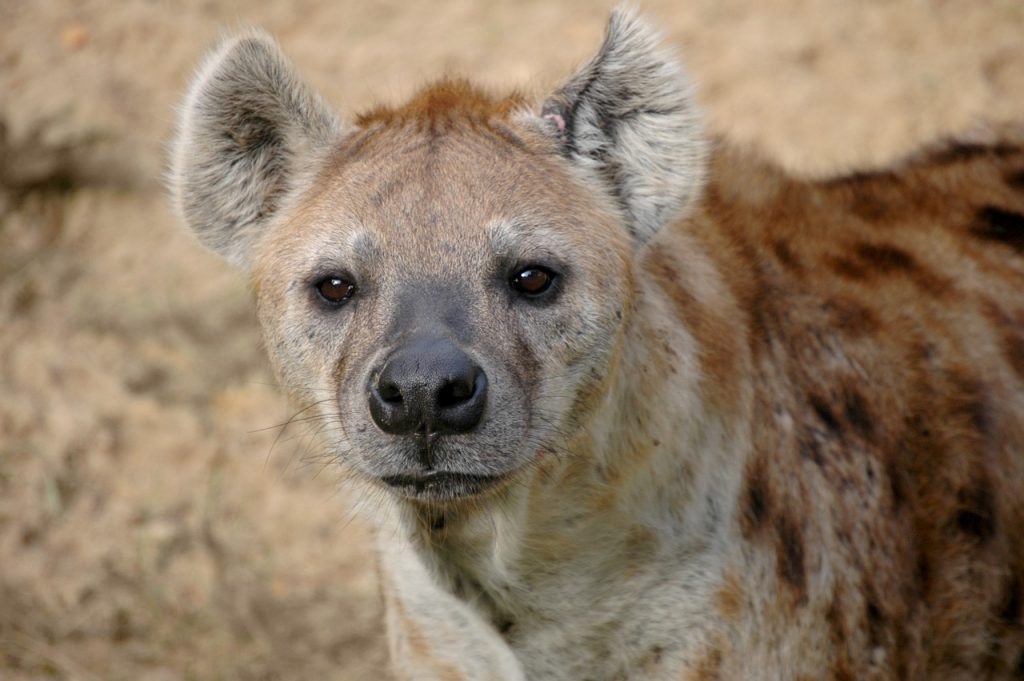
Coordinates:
x,y
628,117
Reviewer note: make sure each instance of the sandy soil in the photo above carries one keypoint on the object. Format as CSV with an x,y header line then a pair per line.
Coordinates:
x,y
155,522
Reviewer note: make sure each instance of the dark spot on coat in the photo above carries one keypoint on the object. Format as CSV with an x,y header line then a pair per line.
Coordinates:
x,y
756,508
838,634
999,225
858,415
757,503
1013,347
791,554
842,672
869,260
896,483
962,152
785,256
862,177
1010,609
923,571
847,268
884,258
875,620
976,516
825,413
959,152
654,655
834,616
1016,179
761,317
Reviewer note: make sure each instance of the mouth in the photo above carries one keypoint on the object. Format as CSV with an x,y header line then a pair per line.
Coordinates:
x,y
441,485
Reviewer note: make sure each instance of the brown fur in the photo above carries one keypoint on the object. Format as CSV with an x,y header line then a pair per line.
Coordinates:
x,y
444,104
889,305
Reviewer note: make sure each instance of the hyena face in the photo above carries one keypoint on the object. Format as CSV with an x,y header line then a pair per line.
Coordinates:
x,y
445,283
443,298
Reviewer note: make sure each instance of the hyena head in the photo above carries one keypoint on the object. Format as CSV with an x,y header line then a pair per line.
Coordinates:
x,y
445,283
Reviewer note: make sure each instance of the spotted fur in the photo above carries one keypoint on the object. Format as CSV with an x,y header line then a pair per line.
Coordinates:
x,y
767,428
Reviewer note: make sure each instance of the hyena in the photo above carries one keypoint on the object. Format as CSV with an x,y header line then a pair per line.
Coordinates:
x,y
641,405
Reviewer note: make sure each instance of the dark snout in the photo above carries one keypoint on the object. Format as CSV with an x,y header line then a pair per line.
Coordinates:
x,y
428,387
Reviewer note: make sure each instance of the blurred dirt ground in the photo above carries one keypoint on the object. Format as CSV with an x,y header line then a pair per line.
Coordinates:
x,y
150,527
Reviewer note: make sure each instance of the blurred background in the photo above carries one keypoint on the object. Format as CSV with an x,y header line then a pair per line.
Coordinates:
x,y
155,522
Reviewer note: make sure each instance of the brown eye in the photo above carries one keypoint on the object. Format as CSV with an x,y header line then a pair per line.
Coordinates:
x,y
532,280
335,290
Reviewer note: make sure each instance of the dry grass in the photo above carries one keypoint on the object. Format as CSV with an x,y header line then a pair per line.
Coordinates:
x,y
149,527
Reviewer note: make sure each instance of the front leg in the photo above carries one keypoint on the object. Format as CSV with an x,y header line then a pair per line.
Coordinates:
x,y
432,634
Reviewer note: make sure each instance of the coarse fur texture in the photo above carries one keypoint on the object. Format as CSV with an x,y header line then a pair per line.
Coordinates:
x,y
248,127
758,427
628,117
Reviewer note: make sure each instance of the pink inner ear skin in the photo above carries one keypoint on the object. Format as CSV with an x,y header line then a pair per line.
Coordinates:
x,y
558,120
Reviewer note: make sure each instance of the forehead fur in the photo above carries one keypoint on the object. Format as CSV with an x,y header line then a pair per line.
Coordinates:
x,y
444,104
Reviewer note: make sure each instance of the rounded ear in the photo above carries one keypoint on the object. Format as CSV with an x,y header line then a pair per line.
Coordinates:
x,y
628,117
247,127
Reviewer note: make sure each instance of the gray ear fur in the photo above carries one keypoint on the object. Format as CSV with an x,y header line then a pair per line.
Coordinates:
x,y
628,117
247,127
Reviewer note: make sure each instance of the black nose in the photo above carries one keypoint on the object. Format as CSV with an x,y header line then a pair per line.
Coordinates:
x,y
428,386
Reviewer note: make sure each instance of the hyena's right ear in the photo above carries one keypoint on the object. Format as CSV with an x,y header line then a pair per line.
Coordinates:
x,y
247,128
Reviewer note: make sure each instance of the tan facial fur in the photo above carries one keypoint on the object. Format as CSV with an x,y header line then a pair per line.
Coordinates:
x,y
757,427
430,217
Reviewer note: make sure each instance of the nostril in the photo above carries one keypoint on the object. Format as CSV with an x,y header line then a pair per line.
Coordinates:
x,y
456,392
389,392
